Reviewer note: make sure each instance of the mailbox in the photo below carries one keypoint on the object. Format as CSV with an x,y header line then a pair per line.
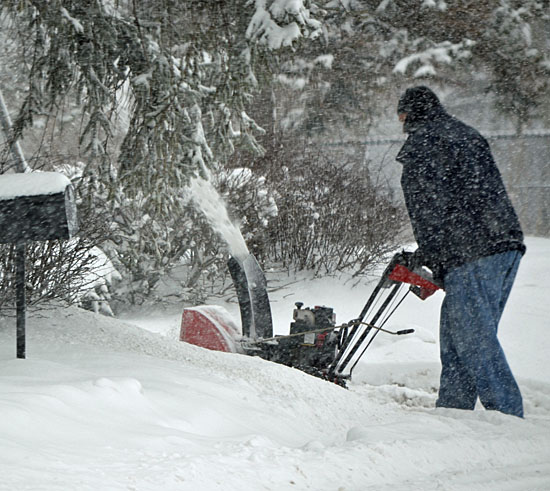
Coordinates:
x,y
33,206
36,206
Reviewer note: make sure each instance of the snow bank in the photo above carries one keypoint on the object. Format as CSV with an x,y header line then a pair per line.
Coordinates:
x,y
100,404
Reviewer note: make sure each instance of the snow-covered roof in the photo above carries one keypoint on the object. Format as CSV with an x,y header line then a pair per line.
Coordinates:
x,y
32,184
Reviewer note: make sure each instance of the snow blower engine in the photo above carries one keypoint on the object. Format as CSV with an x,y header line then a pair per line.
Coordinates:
x,y
315,344
312,342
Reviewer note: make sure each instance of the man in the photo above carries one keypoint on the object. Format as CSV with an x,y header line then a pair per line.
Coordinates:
x,y
469,235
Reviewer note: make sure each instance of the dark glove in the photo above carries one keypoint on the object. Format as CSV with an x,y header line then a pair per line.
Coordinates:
x,y
420,258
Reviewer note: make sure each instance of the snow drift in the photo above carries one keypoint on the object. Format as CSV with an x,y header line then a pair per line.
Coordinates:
x,y
101,404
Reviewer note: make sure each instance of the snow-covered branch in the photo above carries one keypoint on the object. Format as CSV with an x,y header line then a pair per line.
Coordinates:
x,y
279,23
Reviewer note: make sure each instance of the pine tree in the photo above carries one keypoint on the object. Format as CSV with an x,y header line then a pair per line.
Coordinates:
x,y
184,72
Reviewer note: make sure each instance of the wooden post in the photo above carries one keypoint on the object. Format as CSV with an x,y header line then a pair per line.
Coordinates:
x,y
20,300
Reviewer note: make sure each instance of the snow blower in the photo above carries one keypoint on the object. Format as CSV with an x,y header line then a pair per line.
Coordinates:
x,y
315,344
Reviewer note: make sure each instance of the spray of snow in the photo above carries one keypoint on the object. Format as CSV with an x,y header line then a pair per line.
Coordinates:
x,y
207,199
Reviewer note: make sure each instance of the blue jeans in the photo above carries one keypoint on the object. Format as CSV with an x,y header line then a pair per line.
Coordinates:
x,y
473,363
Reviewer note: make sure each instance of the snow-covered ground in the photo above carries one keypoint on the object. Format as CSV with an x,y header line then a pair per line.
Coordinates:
x,y
106,404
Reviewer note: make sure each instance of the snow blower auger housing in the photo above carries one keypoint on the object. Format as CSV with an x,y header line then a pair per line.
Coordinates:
x,y
315,344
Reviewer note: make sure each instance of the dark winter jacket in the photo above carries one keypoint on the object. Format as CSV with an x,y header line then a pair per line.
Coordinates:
x,y
457,203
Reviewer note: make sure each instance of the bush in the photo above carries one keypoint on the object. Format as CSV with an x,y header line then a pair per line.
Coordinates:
x,y
65,270
330,215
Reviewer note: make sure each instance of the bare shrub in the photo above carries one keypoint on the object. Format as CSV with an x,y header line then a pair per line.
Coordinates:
x,y
64,270
330,215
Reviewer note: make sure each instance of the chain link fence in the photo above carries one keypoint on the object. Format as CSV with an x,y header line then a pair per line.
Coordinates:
x,y
524,161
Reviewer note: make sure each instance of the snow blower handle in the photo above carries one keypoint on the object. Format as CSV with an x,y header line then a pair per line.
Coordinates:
x,y
405,331
358,322
403,270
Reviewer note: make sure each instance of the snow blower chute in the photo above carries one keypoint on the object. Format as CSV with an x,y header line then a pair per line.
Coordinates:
x,y
315,344
211,327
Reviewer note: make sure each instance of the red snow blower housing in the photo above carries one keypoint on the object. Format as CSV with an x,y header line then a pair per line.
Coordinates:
x,y
315,344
